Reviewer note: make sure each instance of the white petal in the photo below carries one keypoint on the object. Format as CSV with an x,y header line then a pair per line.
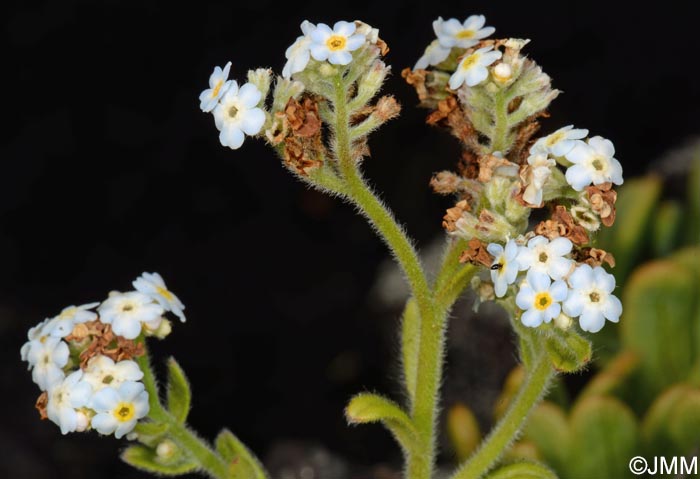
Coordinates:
x,y
538,281
499,284
105,400
319,52
559,267
344,28
476,75
307,27
232,137
531,318
252,121
559,291
355,42
580,153
561,246
582,277
249,95
495,249
551,312
603,279
104,423
80,394
474,22
612,309
525,297
573,305
127,327
340,57
602,146
129,390
484,32
578,176
592,320
456,79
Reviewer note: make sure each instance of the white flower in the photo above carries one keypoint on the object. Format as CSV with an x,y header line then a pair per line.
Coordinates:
x,y
218,85
540,298
237,113
64,398
472,69
35,333
152,284
119,409
126,311
298,53
48,356
593,162
102,372
63,324
545,256
433,55
539,171
335,45
452,33
560,142
591,298
505,266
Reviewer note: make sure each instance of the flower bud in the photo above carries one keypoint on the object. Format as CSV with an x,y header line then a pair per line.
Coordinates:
x,y
166,449
502,73
261,78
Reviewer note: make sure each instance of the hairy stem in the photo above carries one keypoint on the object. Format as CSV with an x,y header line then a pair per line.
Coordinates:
x,y
507,429
499,142
432,325
208,460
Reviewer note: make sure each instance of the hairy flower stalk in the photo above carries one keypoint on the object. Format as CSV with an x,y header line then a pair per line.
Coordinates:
x,y
91,361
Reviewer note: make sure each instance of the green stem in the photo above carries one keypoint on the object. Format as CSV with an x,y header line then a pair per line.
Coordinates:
x,y
197,448
500,129
505,432
432,325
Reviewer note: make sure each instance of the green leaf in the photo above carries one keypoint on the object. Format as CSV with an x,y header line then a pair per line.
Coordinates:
x,y
523,470
568,351
368,408
511,386
548,429
635,206
179,395
684,426
655,425
150,432
242,463
657,323
612,379
462,430
603,438
665,228
145,459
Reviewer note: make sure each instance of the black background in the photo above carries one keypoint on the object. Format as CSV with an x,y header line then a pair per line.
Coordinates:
x,y
110,169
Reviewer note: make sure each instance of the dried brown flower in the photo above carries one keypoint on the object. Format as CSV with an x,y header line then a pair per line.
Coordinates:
x,y
595,257
41,403
453,214
476,253
104,341
602,198
562,224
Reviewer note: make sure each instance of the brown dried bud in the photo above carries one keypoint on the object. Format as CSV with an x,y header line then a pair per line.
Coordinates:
x,y
41,403
303,117
387,108
490,165
595,257
444,108
417,80
453,214
576,233
445,183
104,341
476,253
602,198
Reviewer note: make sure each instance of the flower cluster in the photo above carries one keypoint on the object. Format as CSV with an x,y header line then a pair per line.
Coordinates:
x,y
83,358
292,122
490,97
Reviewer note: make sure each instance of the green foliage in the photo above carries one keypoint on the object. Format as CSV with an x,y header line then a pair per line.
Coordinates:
x,y
242,464
179,395
462,430
146,459
523,470
568,351
368,408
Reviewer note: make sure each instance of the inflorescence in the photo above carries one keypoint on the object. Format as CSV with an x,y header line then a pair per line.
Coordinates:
x,y
83,358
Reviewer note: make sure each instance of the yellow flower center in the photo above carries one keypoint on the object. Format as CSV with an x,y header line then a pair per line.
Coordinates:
x,y
543,257
217,88
543,301
124,411
554,138
594,296
232,112
336,42
469,61
465,34
598,163
127,307
164,293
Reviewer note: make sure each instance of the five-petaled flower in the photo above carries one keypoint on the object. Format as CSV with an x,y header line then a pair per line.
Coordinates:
x,y
153,285
102,372
218,85
545,256
434,54
472,68
237,114
505,268
64,398
540,299
593,162
63,324
298,54
561,142
127,311
47,356
335,45
453,33
591,298
118,409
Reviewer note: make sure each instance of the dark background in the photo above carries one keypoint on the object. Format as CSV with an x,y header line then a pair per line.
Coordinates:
x,y
110,169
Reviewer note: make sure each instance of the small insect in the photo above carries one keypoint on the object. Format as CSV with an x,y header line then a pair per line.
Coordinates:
x,y
496,266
